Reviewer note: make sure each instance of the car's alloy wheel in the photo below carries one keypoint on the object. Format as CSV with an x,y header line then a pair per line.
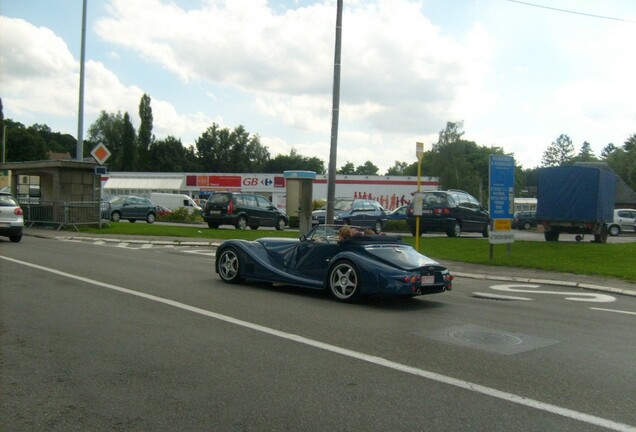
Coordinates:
x,y
241,223
614,230
378,227
115,216
150,218
344,281
281,224
229,266
527,226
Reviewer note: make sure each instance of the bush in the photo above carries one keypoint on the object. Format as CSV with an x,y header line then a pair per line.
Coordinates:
x,y
181,215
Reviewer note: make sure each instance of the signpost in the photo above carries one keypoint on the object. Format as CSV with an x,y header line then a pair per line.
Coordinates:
x,y
501,200
100,153
417,202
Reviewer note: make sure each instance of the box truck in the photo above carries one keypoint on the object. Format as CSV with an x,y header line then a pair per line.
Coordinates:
x,y
175,201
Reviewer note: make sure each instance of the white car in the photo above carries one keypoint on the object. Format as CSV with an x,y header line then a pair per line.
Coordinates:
x,y
11,217
624,221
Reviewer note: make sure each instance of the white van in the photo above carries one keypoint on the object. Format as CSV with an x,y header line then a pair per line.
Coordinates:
x,y
175,201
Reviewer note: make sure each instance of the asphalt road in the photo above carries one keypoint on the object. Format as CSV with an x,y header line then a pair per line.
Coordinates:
x,y
99,336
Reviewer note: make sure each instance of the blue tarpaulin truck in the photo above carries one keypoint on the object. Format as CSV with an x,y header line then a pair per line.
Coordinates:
x,y
575,200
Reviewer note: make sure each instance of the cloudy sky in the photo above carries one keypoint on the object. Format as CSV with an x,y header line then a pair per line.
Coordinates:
x,y
518,75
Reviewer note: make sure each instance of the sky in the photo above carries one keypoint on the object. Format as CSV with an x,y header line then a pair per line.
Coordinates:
x,y
515,73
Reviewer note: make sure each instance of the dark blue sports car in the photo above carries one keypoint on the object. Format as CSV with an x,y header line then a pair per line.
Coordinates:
x,y
348,269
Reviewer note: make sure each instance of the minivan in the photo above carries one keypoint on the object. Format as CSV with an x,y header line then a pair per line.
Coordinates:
x,y
242,210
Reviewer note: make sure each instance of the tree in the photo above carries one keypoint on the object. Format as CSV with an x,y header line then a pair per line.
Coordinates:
x,y
560,152
347,169
108,130
585,154
608,150
129,147
169,155
223,151
294,161
453,132
24,145
367,169
144,137
397,169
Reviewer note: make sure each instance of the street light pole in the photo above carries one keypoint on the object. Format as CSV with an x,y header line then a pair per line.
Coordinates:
x,y
79,151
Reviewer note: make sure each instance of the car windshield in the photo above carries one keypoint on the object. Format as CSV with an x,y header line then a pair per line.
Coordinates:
x,y
343,204
434,199
219,198
118,200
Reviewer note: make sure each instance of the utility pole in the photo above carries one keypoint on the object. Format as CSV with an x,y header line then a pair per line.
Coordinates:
x,y
79,152
331,178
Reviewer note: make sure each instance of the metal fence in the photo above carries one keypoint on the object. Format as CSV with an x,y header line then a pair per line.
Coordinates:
x,y
62,214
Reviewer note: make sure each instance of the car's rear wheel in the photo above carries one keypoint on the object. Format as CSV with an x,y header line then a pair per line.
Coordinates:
x,y
281,224
241,223
455,231
150,218
527,226
15,238
344,281
115,216
378,227
132,220
229,266
614,230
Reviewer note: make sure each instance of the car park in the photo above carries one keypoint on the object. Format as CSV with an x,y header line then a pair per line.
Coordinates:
x,y
11,217
452,211
365,213
360,265
624,221
131,208
524,220
242,210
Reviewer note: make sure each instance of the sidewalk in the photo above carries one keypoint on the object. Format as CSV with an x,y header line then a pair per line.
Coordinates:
x,y
459,269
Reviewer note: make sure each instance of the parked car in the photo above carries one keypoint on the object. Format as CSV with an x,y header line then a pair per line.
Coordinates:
x,y
452,211
398,213
524,220
11,217
243,210
365,213
131,208
163,211
624,221
358,266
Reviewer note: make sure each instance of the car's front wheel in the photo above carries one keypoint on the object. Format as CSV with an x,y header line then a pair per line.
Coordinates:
x,y
281,224
614,230
15,238
151,218
241,223
527,226
344,281
115,216
229,266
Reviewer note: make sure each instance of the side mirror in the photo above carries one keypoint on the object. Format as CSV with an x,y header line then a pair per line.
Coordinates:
x,y
302,238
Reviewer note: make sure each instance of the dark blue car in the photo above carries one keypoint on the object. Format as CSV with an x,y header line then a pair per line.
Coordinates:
x,y
362,212
361,265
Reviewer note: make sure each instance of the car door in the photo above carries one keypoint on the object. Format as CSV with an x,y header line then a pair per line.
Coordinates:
x,y
311,259
358,213
266,211
626,219
129,208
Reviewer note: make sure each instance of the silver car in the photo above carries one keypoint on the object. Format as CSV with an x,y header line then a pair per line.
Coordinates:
x,y
624,221
11,217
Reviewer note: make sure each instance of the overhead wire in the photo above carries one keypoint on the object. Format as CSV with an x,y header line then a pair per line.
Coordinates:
x,y
571,11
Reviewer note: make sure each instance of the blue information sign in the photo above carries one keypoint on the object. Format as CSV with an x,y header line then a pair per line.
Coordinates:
x,y
502,186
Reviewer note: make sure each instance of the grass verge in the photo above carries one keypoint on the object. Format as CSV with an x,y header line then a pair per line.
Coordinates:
x,y
610,260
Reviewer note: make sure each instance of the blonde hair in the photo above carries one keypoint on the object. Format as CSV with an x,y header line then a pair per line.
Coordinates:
x,y
345,233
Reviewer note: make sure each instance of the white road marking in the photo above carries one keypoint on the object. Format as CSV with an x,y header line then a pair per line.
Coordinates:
x,y
499,296
614,310
200,252
379,361
583,297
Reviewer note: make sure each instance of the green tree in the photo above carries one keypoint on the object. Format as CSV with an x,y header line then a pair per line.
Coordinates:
x,y
294,161
108,130
129,148
347,169
222,150
145,137
560,152
397,169
24,145
585,154
608,150
368,168
169,155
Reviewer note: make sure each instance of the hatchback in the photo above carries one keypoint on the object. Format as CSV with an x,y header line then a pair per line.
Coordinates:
x,y
624,221
365,213
452,211
242,210
11,217
131,208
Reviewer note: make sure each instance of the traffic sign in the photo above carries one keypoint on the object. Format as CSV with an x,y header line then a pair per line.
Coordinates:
x,y
100,153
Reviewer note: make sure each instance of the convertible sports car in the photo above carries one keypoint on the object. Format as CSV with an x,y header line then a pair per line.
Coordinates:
x,y
361,265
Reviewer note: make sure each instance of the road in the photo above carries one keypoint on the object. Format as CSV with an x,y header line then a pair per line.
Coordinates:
x,y
99,336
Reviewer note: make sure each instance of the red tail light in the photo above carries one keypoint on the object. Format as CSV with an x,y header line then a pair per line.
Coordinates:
x,y
18,211
444,211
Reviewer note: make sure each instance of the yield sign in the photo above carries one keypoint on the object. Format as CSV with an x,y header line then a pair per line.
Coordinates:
x,y
100,153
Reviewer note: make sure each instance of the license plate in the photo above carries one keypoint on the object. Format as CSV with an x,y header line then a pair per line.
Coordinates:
x,y
5,225
427,211
427,280
215,212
